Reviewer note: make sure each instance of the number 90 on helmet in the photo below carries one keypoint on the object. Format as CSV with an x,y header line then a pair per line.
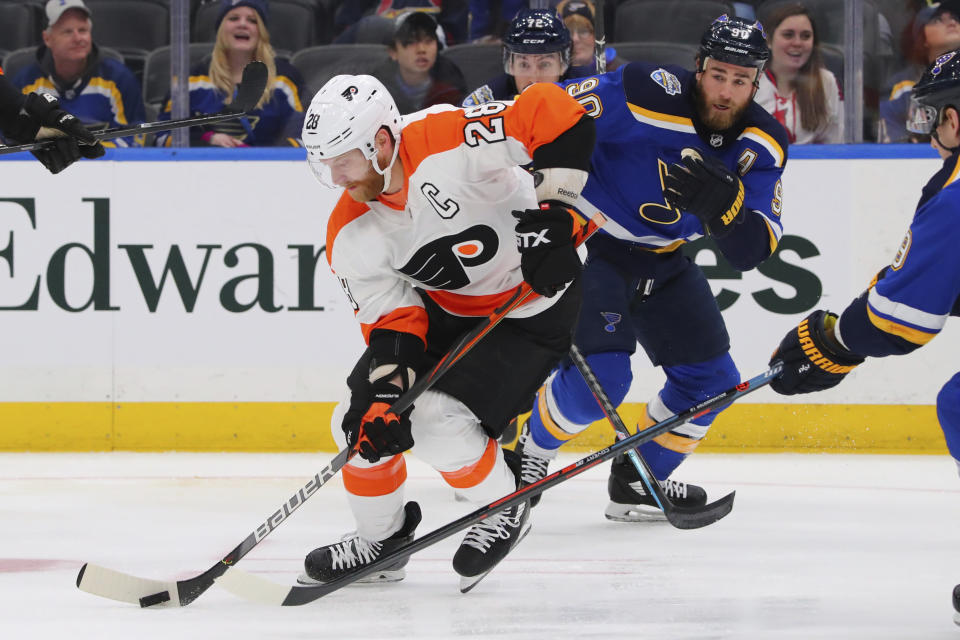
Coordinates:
x,y
735,41
938,87
346,114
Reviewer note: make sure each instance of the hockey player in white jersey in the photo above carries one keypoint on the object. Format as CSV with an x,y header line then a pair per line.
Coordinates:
x,y
437,226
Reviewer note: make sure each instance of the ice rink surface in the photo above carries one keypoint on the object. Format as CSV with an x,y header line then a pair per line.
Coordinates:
x,y
817,546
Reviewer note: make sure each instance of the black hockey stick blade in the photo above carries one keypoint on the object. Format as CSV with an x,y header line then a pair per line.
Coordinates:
x,y
249,90
258,589
679,517
251,87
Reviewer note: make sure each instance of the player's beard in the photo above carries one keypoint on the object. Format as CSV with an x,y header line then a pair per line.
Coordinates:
x,y
717,120
368,188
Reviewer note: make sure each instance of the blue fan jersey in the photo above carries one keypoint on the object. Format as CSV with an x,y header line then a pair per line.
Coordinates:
x,y
913,297
645,117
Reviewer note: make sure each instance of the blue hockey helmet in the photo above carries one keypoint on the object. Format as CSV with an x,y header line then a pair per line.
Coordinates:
x,y
537,31
938,88
735,41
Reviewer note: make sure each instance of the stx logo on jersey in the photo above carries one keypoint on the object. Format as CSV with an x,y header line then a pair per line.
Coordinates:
x,y
440,264
532,239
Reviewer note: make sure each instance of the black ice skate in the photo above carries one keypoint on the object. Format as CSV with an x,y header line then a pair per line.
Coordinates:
x,y
630,502
533,466
956,604
488,542
335,560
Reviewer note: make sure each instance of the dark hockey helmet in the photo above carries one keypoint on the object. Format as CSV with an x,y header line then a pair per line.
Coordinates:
x,y
735,41
537,31
938,87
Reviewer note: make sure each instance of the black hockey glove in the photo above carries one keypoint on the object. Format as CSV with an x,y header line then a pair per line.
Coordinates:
x,y
43,110
708,190
548,256
379,432
812,358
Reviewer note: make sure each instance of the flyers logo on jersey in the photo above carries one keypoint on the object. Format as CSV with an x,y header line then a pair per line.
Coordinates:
x,y
349,92
441,264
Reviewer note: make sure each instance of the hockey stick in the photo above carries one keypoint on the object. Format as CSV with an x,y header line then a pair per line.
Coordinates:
x,y
680,517
249,90
600,38
258,589
152,593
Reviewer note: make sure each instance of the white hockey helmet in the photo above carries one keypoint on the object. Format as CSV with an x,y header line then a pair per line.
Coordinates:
x,y
346,114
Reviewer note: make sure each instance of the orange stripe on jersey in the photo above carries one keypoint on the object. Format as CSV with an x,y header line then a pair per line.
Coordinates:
x,y
540,114
474,474
463,305
346,211
375,481
403,319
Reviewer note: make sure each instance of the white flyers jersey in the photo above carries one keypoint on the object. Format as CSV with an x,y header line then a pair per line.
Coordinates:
x,y
449,231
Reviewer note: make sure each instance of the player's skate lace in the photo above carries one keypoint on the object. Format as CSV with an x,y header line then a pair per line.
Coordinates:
x,y
499,525
532,468
674,488
354,551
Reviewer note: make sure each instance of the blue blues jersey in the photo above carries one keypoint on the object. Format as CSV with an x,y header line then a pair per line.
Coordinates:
x,y
106,96
912,298
277,122
645,116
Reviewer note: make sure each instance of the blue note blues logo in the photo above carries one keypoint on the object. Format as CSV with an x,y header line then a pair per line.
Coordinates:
x,y
612,319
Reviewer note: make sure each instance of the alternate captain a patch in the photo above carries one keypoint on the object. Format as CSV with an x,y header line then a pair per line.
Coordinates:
x,y
668,81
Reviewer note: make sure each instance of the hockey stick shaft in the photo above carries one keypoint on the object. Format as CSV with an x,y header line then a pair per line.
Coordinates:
x,y
679,517
147,593
249,90
600,37
259,589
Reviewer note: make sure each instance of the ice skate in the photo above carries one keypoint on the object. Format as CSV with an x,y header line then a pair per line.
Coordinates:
x,y
488,542
534,461
353,552
630,502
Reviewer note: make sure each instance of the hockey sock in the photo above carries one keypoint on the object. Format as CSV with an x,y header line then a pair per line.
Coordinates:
x,y
565,407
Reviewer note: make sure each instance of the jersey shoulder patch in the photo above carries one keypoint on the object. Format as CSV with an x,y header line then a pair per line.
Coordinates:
x,y
658,88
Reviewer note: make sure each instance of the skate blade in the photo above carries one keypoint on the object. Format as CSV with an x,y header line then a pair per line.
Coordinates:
x,y
468,583
378,577
956,618
633,513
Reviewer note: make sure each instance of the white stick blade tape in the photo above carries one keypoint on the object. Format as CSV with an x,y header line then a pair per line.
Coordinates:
x,y
250,587
115,585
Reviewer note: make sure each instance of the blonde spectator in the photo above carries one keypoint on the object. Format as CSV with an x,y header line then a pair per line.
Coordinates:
x,y
242,37
796,88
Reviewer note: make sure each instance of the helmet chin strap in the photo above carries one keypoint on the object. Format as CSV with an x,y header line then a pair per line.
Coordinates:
x,y
933,134
945,147
387,173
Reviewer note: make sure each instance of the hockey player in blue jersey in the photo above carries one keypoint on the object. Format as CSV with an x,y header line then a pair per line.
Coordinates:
x,y
679,155
536,48
910,300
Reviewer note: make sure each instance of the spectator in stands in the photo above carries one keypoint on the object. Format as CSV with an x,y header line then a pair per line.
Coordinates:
x,y
796,88
578,16
99,91
364,20
935,31
415,75
242,37
536,48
